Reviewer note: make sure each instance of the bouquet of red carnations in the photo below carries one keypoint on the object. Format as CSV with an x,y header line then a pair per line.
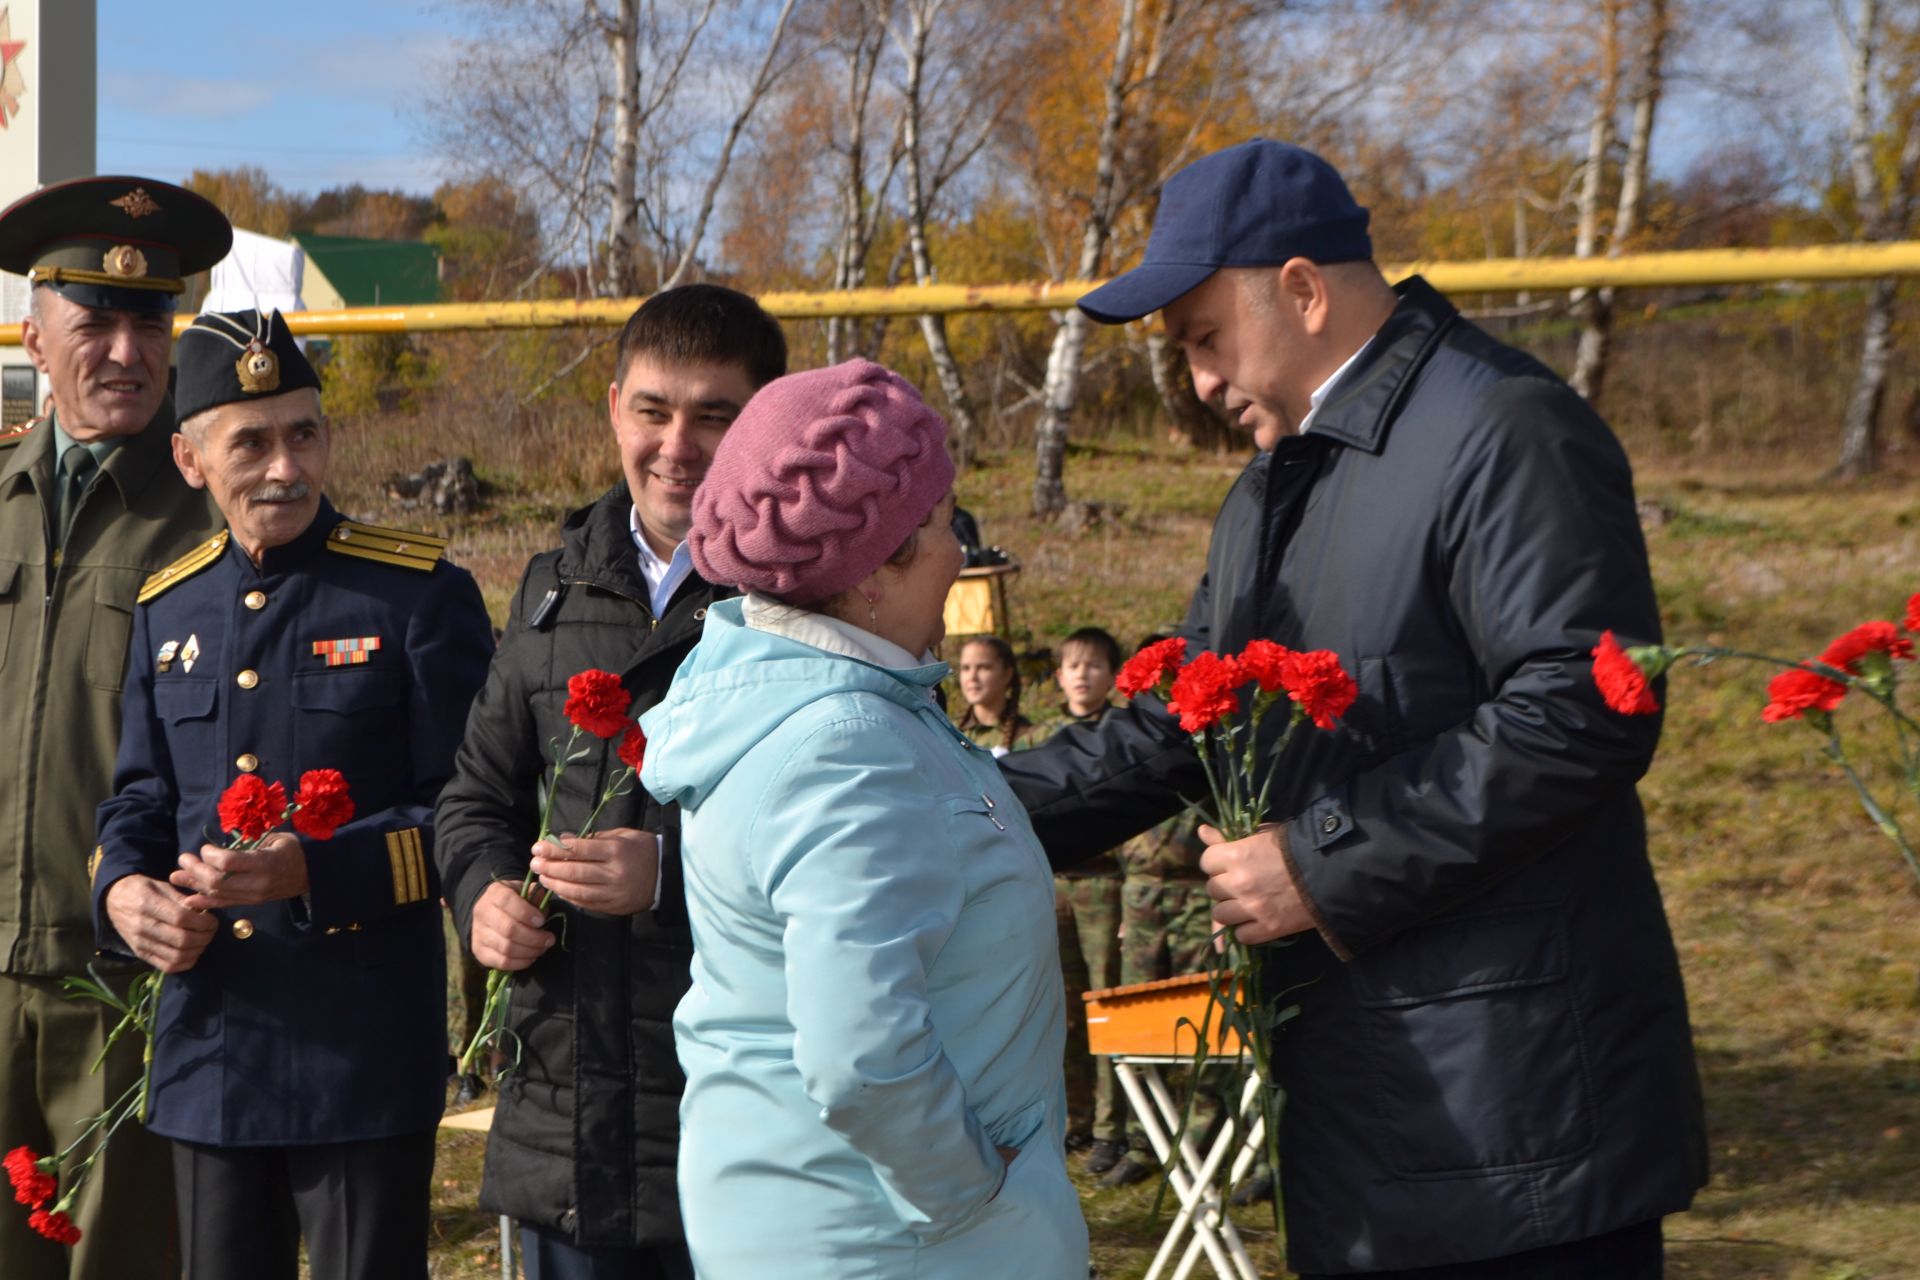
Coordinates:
x,y
597,706
250,810
1207,695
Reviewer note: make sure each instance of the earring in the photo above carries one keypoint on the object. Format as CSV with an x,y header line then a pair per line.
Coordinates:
x,y
873,619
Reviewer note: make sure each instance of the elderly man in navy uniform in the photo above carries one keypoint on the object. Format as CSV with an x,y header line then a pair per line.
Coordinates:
x,y
300,1059
90,504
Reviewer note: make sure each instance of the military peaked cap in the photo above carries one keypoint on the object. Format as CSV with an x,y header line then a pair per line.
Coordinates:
x,y
126,244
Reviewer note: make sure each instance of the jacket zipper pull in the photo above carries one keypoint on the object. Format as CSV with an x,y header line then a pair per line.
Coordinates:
x,y
543,610
992,817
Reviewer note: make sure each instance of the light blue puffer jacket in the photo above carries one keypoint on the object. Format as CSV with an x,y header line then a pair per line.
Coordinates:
x,y
876,998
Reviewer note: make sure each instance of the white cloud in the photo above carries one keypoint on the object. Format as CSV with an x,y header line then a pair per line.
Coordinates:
x,y
147,94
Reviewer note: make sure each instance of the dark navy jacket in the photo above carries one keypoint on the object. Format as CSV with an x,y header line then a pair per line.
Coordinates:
x,y
1492,1054
320,1019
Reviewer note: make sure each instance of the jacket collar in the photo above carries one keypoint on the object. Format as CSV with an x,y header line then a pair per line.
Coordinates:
x,y
129,468
1362,406
596,547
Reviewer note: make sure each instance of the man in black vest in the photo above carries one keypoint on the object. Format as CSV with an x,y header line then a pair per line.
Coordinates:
x,y
586,1134
1491,1074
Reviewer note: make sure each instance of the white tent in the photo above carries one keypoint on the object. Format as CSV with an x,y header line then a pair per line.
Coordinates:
x,y
260,272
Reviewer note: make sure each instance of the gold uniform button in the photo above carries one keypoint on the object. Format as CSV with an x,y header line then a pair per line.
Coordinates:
x,y
247,763
243,928
247,679
256,600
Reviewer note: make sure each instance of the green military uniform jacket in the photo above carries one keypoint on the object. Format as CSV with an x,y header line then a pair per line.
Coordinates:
x,y
64,623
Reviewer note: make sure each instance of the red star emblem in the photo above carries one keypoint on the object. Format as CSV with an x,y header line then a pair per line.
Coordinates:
x,y
12,83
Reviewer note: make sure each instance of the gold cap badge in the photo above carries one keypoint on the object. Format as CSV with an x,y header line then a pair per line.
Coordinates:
x,y
258,368
125,262
136,203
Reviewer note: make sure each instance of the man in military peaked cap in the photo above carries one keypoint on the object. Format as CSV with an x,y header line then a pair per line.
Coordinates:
x,y
90,504
300,1058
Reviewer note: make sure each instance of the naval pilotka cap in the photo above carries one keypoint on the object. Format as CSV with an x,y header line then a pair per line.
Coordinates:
x,y
1257,204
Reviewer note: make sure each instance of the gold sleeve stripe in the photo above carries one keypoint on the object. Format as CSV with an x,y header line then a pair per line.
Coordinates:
x,y
396,856
93,863
418,865
407,859
183,568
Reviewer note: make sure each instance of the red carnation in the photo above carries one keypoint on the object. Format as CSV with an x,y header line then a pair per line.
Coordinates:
x,y
633,748
321,805
1913,614
1145,670
1799,690
597,703
31,1186
1321,686
1623,685
1845,653
1203,691
1265,661
250,808
55,1226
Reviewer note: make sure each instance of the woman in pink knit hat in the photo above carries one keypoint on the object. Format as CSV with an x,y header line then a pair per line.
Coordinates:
x,y
873,1038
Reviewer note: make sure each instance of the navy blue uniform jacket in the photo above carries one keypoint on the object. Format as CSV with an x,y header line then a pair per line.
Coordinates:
x,y
323,1018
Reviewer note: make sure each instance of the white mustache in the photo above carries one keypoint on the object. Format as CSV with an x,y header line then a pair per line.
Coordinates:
x,y
281,492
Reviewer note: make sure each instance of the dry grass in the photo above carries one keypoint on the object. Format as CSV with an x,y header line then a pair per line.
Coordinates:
x,y
1798,928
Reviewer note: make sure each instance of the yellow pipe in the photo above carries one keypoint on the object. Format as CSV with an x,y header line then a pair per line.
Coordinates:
x,y
1492,275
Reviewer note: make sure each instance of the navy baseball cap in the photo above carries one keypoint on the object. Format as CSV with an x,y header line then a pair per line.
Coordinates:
x,y
1252,205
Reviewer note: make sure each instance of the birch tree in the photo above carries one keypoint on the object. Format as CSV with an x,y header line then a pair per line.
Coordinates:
x,y
611,116
1139,51
1882,44
1647,76
975,82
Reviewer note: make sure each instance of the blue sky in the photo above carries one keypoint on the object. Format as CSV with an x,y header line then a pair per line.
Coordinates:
x,y
318,95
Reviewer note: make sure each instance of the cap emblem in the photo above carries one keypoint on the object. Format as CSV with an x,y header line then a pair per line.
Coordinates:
x,y
124,262
136,203
258,369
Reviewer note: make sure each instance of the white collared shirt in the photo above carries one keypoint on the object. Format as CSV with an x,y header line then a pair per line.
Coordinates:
x,y
1325,389
663,577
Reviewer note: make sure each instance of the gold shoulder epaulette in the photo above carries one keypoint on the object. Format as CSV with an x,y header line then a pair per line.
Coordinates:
x,y
403,547
185,567
11,436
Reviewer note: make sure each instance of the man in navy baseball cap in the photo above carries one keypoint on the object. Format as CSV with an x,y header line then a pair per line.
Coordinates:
x,y
1253,205
1460,864
1262,267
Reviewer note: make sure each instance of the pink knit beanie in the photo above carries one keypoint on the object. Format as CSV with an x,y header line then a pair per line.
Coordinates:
x,y
822,477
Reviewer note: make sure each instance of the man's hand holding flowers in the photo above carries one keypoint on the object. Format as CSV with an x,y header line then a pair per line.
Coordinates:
x,y
154,920
221,877
1252,885
615,872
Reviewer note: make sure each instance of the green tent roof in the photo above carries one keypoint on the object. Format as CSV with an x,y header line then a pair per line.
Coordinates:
x,y
371,273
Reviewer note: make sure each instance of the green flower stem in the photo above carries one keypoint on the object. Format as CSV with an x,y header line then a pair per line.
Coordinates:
x,y
493,1014
126,1105
150,999
1881,818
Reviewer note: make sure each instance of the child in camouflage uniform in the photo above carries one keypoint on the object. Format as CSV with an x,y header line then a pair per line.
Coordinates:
x,y
1087,903
989,681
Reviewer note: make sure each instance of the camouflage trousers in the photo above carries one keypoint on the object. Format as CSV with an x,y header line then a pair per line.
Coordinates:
x,y
1088,911
1167,927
